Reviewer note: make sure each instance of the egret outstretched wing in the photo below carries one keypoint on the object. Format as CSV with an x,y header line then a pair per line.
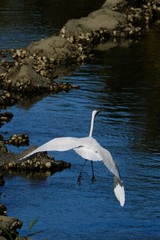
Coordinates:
x,y
109,162
118,183
56,144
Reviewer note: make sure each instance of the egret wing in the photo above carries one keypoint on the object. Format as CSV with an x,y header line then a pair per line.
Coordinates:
x,y
118,183
119,190
56,144
109,162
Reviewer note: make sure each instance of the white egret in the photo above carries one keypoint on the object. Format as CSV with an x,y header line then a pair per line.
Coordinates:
x,y
89,149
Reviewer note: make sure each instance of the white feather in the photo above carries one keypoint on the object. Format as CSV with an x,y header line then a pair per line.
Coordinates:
x,y
119,191
56,144
88,149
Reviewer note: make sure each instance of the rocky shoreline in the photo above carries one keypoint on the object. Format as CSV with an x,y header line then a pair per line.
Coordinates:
x,y
35,68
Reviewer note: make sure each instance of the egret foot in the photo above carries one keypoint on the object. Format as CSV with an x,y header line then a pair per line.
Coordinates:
x,y
80,174
93,179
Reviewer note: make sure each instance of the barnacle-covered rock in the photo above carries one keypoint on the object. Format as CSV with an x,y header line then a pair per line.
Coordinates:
x,y
9,226
7,99
35,66
33,76
18,140
103,19
3,148
39,162
3,210
56,49
5,117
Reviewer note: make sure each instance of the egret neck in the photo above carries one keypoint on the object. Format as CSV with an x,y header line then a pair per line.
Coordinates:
x,y
92,123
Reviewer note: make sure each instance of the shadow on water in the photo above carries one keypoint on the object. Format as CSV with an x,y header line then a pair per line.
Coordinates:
x,y
133,87
23,22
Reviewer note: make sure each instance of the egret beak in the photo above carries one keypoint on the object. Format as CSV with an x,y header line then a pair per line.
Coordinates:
x,y
100,110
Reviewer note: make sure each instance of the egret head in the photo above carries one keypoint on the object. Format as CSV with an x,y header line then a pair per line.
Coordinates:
x,y
96,111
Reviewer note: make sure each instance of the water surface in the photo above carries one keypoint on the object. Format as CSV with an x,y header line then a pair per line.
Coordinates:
x,y
124,81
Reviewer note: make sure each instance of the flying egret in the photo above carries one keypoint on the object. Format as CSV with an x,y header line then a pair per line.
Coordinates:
x,y
89,149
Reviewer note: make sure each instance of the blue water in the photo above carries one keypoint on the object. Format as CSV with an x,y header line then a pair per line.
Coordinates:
x,y
125,82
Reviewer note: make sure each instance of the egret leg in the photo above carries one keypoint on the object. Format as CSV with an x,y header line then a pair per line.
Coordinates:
x,y
93,177
80,174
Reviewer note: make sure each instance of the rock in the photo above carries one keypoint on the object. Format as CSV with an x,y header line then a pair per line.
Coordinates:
x,y
54,49
9,223
3,210
102,19
39,162
9,226
35,75
3,148
2,238
35,67
5,117
2,182
18,140
7,99
110,4
24,78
